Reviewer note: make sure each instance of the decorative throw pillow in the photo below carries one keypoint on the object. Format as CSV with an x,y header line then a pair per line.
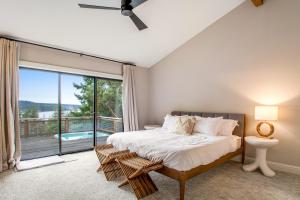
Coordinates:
x,y
170,121
208,125
184,125
227,126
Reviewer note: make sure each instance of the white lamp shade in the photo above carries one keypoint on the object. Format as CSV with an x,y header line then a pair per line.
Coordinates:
x,y
266,113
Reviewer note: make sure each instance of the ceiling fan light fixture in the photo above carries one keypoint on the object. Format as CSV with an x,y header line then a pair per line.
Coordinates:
x,y
126,10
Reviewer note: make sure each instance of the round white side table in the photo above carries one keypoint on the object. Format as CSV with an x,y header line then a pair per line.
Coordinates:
x,y
261,145
151,126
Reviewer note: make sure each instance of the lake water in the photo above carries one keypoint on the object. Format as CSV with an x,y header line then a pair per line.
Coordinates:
x,y
49,114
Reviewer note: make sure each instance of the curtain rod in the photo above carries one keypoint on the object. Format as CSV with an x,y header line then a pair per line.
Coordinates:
x,y
61,49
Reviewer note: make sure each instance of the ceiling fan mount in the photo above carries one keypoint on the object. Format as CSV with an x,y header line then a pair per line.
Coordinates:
x,y
126,10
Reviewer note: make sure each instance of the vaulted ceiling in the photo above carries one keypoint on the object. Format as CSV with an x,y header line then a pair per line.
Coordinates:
x,y
107,33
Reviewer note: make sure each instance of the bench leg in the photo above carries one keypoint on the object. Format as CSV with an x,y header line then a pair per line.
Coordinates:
x,y
182,189
99,168
125,182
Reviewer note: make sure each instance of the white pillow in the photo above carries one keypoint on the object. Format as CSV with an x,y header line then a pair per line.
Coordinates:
x,y
227,126
170,122
208,125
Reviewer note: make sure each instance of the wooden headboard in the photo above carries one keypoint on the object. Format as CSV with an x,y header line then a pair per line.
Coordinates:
x,y
239,130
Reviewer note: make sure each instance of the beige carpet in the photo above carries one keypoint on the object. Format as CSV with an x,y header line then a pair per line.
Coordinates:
x,y
78,180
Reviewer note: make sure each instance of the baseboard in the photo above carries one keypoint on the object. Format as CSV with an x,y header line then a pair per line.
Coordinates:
x,y
274,165
237,158
279,166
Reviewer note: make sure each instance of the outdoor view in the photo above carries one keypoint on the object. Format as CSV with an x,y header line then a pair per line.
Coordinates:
x,y
39,115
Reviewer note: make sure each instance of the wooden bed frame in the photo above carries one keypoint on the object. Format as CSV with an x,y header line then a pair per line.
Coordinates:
x,y
183,176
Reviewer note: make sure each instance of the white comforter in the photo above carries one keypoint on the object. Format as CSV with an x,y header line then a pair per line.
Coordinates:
x,y
177,151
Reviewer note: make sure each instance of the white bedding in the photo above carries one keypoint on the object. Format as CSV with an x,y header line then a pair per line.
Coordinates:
x,y
177,151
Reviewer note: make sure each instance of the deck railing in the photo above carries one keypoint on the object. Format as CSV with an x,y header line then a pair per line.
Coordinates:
x,y
44,126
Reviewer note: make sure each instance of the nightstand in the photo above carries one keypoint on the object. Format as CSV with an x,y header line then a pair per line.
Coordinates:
x,y
151,126
261,145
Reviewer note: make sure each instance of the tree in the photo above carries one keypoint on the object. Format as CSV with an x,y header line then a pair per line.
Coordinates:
x,y
30,113
85,96
109,97
52,124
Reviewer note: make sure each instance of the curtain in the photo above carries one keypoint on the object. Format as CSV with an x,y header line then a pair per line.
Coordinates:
x,y
10,150
130,118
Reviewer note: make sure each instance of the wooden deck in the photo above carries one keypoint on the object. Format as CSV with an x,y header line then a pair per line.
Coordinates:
x,y
41,146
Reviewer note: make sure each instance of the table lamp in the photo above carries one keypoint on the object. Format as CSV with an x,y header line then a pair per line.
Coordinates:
x,y
265,114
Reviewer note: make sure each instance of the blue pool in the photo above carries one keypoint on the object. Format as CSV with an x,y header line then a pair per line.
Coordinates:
x,y
80,135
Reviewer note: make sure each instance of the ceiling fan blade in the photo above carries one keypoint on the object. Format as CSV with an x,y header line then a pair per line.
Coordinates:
x,y
139,24
97,7
136,3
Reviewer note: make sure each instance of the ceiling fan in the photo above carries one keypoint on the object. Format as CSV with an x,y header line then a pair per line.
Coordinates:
x,y
126,9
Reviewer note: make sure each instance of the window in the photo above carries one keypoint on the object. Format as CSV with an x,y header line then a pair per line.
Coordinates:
x,y
38,113
62,113
109,107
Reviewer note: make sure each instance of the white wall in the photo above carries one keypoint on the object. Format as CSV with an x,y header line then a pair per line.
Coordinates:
x,y
249,57
55,57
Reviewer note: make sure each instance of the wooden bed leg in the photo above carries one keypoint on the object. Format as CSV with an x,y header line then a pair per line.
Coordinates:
x,y
182,189
243,156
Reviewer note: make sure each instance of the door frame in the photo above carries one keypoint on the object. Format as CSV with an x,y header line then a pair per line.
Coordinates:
x,y
53,69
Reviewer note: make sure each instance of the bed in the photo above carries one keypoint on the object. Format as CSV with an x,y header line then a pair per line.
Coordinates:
x,y
184,156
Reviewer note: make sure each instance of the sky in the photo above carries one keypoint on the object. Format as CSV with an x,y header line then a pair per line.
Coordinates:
x,y
42,86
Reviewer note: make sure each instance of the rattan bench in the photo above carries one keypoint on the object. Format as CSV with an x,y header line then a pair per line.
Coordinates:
x,y
136,171
107,155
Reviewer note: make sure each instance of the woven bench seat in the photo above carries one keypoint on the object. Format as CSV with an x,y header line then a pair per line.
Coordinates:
x,y
136,171
107,155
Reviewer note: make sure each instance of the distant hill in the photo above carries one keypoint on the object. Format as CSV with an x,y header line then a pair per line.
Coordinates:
x,y
43,107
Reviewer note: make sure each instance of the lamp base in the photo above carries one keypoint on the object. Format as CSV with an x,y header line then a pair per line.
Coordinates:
x,y
261,133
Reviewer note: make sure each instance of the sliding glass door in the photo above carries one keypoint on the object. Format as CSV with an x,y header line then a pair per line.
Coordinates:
x,y
109,108
77,113
38,113
63,113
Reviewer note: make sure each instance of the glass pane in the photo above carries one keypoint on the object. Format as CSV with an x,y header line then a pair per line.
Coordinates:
x,y
109,108
38,113
77,121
